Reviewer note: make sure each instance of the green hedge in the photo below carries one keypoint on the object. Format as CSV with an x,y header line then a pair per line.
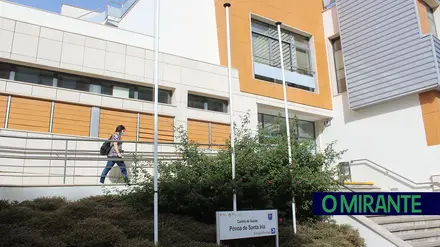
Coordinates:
x,y
111,221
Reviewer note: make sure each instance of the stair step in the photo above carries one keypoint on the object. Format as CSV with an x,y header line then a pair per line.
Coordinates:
x,y
383,220
426,244
419,235
405,227
359,190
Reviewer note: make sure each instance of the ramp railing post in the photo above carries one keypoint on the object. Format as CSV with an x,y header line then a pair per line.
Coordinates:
x,y
65,162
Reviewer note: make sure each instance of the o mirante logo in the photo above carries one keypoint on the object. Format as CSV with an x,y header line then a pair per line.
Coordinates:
x,y
376,203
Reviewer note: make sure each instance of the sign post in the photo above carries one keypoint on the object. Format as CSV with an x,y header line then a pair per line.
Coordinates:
x,y
247,224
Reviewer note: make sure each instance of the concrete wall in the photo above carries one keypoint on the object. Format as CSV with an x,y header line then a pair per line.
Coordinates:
x,y
69,192
391,135
65,51
84,14
373,234
58,22
187,28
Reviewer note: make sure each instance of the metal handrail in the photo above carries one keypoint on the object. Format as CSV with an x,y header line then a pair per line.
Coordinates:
x,y
71,157
85,139
371,163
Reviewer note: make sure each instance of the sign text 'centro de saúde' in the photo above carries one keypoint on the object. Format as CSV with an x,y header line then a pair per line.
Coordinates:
x,y
247,224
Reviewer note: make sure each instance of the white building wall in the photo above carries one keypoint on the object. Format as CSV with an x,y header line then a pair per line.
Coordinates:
x,y
391,134
76,12
187,28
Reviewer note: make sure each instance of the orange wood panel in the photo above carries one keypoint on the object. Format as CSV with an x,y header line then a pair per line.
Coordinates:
x,y
219,133
423,14
300,14
165,131
110,119
430,105
29,114
3,109
71,119
198,131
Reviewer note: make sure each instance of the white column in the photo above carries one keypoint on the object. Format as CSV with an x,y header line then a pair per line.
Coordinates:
x,y
156,98
286,113
286,110
231,108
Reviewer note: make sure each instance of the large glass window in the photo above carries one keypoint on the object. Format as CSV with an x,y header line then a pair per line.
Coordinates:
x,y
275,125
211,104
81,83
296,51
339,66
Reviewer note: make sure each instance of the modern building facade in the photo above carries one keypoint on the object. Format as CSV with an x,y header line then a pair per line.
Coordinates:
x,y
362,74
80,73
384,71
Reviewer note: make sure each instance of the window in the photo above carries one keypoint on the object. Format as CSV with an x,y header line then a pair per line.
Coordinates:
x,y
5,70
146,93
266,51
73,82
274,125
339,66
81,83
164,96
33,75
211,104
431,20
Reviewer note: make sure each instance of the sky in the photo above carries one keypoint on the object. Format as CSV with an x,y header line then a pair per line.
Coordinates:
x,y
55,5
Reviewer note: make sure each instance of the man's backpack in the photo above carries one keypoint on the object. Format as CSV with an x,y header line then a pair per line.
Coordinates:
x,y
106,147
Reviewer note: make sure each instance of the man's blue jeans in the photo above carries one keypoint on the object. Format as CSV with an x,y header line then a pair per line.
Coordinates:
x,y
109,166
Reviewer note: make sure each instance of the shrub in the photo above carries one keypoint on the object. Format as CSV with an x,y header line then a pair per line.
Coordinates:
x,y
81,209
16,215
199,185
135,242
27,237
57,229
93,232
45,204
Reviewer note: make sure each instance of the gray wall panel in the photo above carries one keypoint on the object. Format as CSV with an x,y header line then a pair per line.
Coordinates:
x,y
369,17
392,85
405,51
385,55
394,67
358,38
392,94
375,46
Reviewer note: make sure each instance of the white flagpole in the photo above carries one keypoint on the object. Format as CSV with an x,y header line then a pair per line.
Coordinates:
x,y
156,99
228,41
286,113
